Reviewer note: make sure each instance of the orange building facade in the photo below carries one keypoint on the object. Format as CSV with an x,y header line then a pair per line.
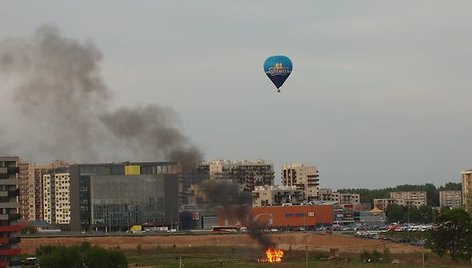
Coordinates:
x,y
279,216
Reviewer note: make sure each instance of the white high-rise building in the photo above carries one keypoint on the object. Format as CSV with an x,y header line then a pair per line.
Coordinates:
x,y
304,177
35,188
56,197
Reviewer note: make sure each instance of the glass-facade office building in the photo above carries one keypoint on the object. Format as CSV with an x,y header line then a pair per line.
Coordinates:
x,y
118,195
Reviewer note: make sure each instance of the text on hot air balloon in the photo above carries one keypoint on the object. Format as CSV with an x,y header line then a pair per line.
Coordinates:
x,y
278,69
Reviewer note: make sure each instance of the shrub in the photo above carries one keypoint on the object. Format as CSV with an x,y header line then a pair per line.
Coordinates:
x,y
83,255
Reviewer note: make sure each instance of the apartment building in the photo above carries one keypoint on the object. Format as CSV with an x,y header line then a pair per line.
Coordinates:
x,y
382,203
346,198
409,198
56,196
304,177
31,195
9,212
23,187
247,174
191,178
466,176
327,194
276,196
451,199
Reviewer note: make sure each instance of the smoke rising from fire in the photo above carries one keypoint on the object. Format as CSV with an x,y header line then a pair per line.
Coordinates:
x,y
55,105
235,204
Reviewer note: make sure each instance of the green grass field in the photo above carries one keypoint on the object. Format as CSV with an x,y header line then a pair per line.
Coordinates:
x,y
200,257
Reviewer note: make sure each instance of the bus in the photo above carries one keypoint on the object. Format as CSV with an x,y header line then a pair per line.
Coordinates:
x,y
225,229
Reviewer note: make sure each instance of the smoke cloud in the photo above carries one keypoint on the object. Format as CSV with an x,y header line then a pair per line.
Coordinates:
x,y
55,105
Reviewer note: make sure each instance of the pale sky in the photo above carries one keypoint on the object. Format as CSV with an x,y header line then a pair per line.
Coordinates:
x,y
380,92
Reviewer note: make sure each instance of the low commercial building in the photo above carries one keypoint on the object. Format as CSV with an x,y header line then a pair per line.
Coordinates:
x,y
198,217
280,217
374,216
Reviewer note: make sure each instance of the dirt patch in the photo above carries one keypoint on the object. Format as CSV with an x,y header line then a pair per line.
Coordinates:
x,y
294,241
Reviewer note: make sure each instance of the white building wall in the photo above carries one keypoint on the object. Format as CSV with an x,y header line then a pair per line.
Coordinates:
x,y
304,177
47,202
60,202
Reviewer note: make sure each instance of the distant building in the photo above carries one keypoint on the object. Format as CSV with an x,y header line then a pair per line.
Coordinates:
x,y
467,189
56,196
198,217
247,174
304,177
409,198
327,194
276,196
382,203
115,196
374,216
190,179
346,198
23,186
33,197
307,217
9,214
451,199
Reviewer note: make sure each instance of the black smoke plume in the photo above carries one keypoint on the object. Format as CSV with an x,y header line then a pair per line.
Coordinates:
x,y
55,105
235,204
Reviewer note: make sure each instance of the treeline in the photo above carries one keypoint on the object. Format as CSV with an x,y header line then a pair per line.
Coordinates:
x,y
402,214
432,193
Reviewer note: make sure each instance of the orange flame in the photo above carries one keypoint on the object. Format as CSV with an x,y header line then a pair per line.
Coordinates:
x,y
274,255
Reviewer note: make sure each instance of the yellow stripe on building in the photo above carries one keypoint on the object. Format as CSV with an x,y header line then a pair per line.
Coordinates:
x,y
132,170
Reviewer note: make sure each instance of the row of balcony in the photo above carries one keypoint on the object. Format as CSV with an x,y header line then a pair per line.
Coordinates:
x,y
10,193
11,217
9,170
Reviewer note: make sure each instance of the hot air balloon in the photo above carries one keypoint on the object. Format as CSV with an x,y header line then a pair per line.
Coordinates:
x,y
278,68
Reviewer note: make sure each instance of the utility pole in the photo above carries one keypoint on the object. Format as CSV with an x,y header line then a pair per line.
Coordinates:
x,y
423,256
306,256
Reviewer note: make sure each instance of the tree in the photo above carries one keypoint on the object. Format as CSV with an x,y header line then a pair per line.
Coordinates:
x,y
452,234
395,213
451,186
81,256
